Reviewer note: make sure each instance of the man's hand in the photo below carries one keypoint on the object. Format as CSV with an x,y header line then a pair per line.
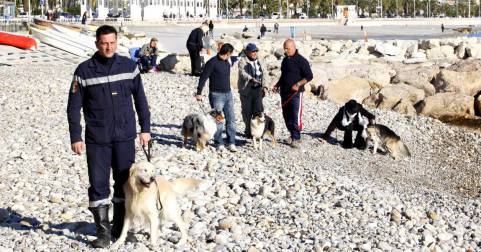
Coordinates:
x,y
144,138
199,97
372,121
78,147
295,87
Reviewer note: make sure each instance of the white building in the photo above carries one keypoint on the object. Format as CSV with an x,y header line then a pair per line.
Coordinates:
x,y
150,9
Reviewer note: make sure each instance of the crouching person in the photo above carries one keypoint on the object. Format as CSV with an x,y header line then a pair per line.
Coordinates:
x,y
148,56
351,117
103,86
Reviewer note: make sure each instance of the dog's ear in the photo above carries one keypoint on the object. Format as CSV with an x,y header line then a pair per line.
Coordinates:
x,y
131,179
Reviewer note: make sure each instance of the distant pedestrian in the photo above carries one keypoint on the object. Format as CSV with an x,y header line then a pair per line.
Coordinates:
x,y
84,18
245,29
442,28
195,44
362,27
211,29
295,73
276,28
263,30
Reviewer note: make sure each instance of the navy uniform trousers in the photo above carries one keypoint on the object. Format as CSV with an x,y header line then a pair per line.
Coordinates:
x,y
100,158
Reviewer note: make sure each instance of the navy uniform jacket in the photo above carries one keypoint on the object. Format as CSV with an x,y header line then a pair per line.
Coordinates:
x,y
105,93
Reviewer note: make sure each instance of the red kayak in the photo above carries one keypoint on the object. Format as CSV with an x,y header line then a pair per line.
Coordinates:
x,y
19,41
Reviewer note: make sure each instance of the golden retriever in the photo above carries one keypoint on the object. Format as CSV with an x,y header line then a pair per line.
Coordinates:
x,y
143,193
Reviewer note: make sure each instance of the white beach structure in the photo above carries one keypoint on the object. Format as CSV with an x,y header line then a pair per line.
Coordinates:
x,y
150,9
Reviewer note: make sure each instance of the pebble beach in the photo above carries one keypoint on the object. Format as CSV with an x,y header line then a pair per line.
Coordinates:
x,y
320,197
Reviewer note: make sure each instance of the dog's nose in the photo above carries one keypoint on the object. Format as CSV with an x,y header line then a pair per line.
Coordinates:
x,y
152,179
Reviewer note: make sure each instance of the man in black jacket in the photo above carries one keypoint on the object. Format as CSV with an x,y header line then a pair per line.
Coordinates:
x,y
195,45
295,73
217,70
351,117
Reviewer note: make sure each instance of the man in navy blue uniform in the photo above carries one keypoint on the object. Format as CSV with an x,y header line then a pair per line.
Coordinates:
x,y
104,86
295,73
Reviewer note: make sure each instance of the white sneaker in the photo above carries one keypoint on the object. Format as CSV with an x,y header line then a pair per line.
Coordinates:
x,y
221,148
232,148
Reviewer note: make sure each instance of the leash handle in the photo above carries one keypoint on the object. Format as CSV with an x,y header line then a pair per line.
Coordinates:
x,y
147,152
201,107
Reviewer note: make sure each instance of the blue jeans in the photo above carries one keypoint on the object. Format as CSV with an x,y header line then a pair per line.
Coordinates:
x,y
148,62
225,103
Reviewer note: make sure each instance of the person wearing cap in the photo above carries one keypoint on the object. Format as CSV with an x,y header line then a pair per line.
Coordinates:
x,y
252,85
148,56
195,44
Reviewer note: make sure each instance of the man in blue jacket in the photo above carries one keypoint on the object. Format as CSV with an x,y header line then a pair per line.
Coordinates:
x,y
295,73
104,86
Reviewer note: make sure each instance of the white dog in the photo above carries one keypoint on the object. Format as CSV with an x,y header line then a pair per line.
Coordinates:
x,y
150,198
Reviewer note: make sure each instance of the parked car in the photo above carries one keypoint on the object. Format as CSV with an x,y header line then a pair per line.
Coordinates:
x,y
276,15
302,16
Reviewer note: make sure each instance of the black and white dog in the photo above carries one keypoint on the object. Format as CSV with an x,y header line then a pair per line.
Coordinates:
x,y
201,128
351,117
261,125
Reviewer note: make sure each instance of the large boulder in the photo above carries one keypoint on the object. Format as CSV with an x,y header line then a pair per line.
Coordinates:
x,y
405,107
446,104
335,46
474,51
467,65
351,87
389,49
320,77
441,52
390,96
379,75
460,50
467,83
418,77
429,44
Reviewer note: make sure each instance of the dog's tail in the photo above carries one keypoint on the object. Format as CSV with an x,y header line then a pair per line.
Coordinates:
x,y
184,185
403,149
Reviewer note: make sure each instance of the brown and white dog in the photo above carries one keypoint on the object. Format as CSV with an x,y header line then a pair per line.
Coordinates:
x,y
151,198
385,139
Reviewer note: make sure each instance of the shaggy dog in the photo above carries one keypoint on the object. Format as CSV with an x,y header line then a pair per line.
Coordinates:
x,y
201,128
150,198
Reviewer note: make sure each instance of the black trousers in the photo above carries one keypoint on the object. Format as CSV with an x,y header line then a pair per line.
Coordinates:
x,y
359,142
195,62
100,159
251,102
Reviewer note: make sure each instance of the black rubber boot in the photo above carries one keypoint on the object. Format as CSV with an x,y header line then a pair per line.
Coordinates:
x,y
118,223
101,218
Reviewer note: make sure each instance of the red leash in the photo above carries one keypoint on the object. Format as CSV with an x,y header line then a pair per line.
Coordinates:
x,y
288,100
